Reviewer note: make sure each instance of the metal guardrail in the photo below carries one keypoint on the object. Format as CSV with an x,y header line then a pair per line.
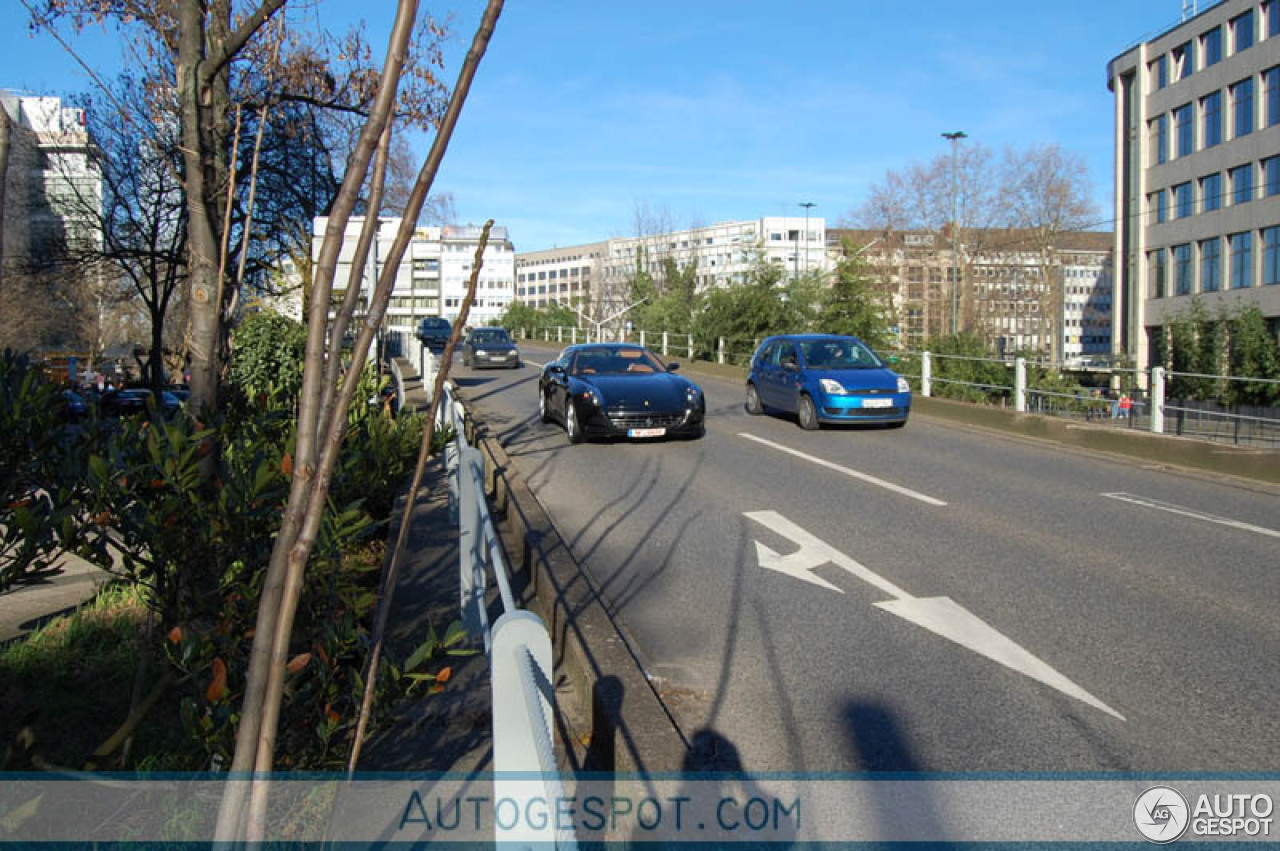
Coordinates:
x,y
517,644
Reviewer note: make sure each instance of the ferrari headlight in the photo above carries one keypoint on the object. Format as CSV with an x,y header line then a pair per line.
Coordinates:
x,y
830,385
692,395
591,396
903,385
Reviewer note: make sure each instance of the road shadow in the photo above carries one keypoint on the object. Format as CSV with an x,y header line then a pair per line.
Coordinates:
x,y
901,806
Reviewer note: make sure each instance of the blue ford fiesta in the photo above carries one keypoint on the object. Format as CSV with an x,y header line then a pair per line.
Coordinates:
x,y
824,378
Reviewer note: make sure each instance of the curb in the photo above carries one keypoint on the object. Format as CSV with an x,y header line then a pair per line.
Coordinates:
x,y
613,719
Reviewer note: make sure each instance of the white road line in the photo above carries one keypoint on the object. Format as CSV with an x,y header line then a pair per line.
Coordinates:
x,y
532,362
1190,512
852,473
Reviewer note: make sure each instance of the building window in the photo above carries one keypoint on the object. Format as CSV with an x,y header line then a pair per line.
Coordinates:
x,y
1211,46
1156,261
1242,32
1271,176
1271,255
1211,265
1160,138
1242,184
1184,61
1242,108
1241,248
1271,9
1183,200
1162,206
1211,192
1182,269
1159,70
1211,108
1271,93
1183,131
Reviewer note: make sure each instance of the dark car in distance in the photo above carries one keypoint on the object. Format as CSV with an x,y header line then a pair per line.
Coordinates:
x,y
826,378
490,347
138,400
434,332
619,390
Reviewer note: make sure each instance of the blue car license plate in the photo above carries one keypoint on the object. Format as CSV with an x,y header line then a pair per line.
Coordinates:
x,y
646,432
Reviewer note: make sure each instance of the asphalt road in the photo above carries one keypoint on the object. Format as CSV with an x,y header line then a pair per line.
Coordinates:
x,y
956,600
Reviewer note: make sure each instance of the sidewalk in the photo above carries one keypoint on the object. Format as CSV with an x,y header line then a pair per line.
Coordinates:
x,y
27,607
451,730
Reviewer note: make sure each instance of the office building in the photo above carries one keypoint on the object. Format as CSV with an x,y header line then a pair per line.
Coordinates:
x,y
1197,172
596,278
53,185
1012,291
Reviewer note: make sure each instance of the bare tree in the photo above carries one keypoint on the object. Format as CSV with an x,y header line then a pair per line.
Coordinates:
x,y
213,58
1045,192
1001,209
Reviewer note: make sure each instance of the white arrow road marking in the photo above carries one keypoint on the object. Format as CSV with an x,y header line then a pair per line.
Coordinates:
x,y
951,620
813,552
940,615
848,472
1190,512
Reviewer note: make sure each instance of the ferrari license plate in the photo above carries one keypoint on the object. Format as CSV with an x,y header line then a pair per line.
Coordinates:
x,y
877,403
646,432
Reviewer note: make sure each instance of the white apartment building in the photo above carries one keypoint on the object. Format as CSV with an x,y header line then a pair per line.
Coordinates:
x,y
53,186
595,278
1197,171
495,288
434,273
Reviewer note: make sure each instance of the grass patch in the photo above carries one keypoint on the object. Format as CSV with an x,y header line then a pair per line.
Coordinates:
x,y
66,687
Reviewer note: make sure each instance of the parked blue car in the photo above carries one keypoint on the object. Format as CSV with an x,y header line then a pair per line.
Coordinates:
x,y
825,378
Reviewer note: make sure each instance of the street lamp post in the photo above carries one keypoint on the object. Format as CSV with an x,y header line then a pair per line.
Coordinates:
x,y
954,138
808,205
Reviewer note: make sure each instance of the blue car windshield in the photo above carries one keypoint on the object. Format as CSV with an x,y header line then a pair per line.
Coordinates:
x,y
606,361
839,354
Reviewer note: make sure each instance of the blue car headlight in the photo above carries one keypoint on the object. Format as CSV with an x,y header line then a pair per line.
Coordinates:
x,y
903,385
831,386
591,396
692,396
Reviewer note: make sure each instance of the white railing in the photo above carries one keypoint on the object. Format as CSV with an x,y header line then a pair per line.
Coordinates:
x,y
518,644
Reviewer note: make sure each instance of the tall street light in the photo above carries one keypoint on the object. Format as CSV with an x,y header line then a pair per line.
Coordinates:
x,y
808,205
954,138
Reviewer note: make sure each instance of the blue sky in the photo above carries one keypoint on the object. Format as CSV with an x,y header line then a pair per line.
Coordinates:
x,y
584,112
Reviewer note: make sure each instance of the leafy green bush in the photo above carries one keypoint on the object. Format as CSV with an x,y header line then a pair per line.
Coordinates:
x,y
40,454
191,530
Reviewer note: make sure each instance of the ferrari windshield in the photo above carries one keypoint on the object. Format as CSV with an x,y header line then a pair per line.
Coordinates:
x,y
614,361
839,353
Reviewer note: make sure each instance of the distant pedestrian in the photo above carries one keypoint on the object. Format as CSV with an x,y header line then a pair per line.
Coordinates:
x,y
1115,408
1125,405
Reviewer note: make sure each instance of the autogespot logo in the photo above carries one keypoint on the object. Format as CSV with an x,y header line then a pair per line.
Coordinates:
x,y
1161,814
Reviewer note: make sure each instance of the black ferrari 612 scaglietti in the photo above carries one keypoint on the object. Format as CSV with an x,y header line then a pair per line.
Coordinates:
x,y
619,390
